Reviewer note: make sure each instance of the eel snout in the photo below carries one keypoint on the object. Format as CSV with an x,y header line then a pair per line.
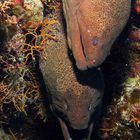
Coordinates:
x,y
79,122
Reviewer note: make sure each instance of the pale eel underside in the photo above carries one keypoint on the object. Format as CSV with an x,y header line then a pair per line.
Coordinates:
x,y
92,27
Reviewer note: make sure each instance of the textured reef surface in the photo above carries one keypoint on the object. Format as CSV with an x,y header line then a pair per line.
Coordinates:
x,y
27,30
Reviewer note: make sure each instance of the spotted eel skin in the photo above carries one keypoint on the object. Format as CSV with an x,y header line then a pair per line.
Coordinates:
x,y
92,27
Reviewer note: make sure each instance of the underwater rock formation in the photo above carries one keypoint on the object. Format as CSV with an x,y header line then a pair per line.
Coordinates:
x,y
92,27
75,96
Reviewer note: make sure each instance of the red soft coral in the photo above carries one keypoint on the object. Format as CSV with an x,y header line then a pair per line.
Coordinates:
x,y
18,2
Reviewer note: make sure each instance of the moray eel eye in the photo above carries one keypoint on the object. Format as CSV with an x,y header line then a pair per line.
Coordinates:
x,y
95,41
66,107
90,108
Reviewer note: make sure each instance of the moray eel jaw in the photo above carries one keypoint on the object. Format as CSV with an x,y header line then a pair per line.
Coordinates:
x,y
92,27
78,113
86,133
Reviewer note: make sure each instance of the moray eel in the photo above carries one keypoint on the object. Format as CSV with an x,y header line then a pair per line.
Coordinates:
x,y
75,96
92,27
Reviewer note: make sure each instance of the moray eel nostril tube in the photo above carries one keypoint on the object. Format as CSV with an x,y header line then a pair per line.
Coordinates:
x,y
92,27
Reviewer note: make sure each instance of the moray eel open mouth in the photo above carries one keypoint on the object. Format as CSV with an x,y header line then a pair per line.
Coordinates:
x,y
92,27
75,134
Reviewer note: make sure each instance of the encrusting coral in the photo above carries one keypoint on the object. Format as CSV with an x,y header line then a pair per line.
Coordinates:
x,y
22,40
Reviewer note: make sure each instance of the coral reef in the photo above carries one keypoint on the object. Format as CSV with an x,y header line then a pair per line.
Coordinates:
x,y
19,44
24,35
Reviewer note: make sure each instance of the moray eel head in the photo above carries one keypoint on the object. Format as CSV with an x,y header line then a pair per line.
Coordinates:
x,y
78,113
92,27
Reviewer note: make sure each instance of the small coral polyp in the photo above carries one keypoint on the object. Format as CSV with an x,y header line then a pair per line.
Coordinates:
x,y
5,5
135,108
135,121
137,6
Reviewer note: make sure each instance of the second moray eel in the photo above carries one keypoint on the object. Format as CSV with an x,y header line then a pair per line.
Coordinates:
x,y
92,27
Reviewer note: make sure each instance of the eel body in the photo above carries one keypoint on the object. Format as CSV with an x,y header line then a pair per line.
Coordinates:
x,y
92,27
76,96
